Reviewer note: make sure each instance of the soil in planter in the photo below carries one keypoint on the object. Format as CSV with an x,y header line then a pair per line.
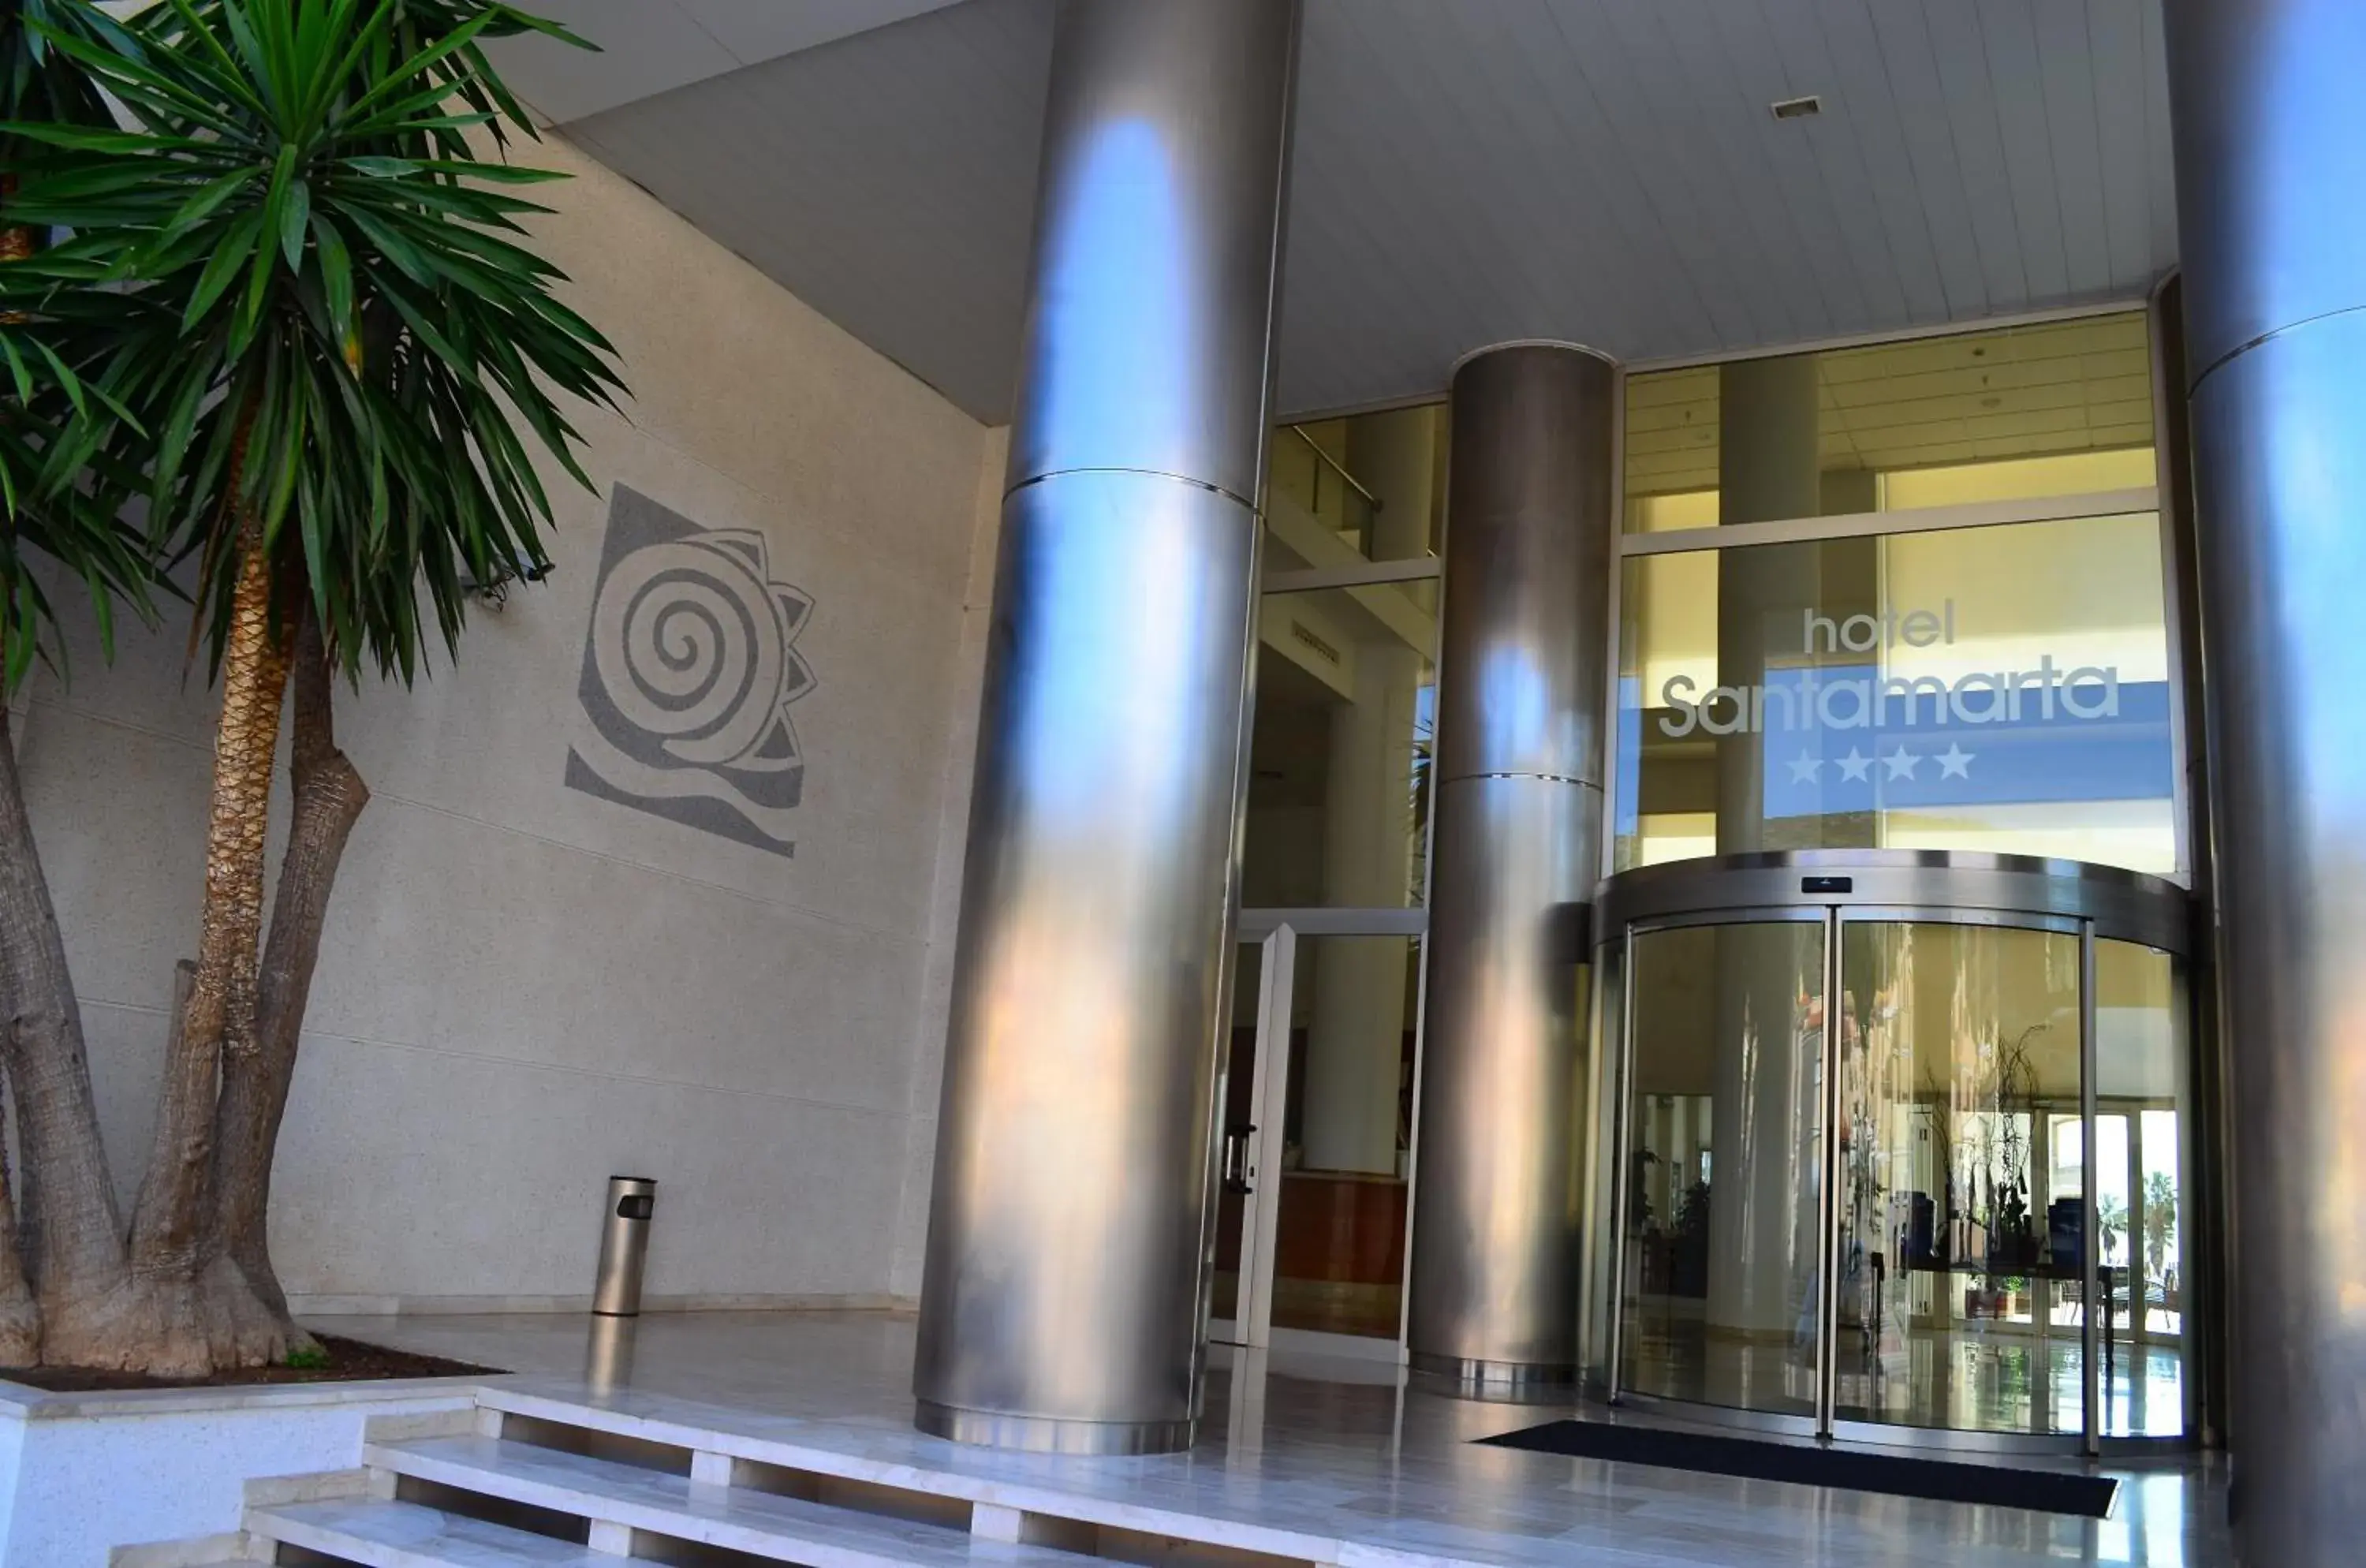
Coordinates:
x,y
349,1361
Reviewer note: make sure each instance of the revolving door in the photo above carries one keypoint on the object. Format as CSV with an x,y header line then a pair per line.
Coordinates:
x,y
1895,1140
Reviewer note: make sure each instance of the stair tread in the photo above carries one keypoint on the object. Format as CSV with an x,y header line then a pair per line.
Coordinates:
x,y
390,1534
736,1518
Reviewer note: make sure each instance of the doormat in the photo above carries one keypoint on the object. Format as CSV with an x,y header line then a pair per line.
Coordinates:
x,y
1943,1481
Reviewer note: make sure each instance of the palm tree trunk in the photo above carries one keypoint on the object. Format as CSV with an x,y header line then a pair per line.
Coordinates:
x,y
70,1234
20,1317
329,795
173,1222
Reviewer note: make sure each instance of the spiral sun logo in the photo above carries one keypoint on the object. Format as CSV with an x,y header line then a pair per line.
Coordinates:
x,y
689,668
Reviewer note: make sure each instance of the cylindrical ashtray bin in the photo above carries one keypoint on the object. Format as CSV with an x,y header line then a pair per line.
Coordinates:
x,y
623,1245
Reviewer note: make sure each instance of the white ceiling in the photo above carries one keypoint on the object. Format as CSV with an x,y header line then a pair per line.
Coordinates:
x,y
1603,171
651,46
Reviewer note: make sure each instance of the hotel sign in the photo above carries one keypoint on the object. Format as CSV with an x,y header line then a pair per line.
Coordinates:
x,y
1838,737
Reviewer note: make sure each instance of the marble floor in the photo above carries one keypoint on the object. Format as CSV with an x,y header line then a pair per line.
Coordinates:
x,y
1339,1450
1967,1379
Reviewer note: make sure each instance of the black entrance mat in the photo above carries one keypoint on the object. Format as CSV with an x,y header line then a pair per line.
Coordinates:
x,y
1944,1481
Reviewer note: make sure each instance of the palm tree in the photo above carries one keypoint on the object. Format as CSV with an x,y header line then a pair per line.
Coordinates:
x,y
62,499
2160,1222
295,266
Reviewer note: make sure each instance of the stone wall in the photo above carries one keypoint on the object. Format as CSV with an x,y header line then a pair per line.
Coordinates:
x,y
581,929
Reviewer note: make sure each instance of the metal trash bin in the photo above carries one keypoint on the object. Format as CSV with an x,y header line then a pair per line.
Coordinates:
x,y
623,1245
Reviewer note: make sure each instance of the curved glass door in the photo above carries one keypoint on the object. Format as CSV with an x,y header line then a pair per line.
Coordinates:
x,y
1719,1300
1963,1179
1953,1198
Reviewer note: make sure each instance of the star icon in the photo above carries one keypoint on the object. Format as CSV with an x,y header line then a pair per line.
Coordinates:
x,y
1806,769
1901,763
1956,763
1856,765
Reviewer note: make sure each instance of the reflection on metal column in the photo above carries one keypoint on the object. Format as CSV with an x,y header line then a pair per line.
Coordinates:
x,y
2270,136
1074,1151
1495,1236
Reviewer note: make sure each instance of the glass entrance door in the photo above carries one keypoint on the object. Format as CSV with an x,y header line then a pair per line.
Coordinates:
x,y
1720,1299
1962,1180
1313,1134
1875,1159
1249,1095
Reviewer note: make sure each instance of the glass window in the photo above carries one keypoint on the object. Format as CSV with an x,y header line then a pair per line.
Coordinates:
x,y
2002,688
1347,682
1368,487
1339,755
2057,409
1340,1246
2140,1127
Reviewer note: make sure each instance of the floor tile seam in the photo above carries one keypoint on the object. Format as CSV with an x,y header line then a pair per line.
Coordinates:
x,y
566,1069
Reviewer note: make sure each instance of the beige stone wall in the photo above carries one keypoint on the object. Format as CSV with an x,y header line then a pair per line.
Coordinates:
x,y
525,987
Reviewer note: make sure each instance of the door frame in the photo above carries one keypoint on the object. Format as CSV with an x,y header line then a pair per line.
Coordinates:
x,y
1252,1323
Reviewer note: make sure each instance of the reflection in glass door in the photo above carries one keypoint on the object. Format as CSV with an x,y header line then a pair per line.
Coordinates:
x,y
1720,1298
1963,1184
1340,1226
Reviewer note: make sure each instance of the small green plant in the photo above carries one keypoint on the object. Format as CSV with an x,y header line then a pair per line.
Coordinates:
x,y
307,1359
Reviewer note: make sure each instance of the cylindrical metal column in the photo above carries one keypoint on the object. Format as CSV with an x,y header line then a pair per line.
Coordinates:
x,y
1517,822
2270,134
1060,1309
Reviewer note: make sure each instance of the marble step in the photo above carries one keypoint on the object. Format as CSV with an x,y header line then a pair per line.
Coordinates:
x,y
762,1524
386,1534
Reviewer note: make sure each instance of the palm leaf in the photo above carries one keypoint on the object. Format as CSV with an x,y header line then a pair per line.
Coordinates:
x,y
295,250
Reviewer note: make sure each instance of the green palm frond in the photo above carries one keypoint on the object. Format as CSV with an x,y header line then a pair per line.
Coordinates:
x,y
61,493
295,286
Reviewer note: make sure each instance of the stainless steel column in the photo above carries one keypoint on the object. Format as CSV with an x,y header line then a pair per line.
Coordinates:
x,y
2271,129
1525,637
1060,1304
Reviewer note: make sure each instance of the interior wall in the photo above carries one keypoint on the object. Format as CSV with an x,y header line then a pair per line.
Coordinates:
x,y
527,986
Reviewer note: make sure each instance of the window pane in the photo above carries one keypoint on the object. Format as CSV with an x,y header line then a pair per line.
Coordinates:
x,y
2002,689
2140,1100
1339,1253
1368,487
1339,756
2057,409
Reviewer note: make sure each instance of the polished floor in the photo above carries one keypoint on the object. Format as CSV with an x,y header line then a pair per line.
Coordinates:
x,y
1339,1450
2005,1382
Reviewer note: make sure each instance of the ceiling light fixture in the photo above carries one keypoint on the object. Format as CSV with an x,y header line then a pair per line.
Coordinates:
x,y
1797,109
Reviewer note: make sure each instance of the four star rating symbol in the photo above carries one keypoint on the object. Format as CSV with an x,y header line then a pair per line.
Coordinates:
x,y
1955,762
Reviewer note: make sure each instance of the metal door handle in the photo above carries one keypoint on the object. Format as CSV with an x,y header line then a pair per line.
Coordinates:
x,y
1236,1171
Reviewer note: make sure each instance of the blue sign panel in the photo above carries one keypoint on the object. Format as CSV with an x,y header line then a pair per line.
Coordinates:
x,y
1922,749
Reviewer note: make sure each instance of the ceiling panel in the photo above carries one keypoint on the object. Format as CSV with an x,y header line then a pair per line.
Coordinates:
x,y
2077,386
1599,171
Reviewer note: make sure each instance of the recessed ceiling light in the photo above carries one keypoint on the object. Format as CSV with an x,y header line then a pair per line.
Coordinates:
x,y
1798,109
